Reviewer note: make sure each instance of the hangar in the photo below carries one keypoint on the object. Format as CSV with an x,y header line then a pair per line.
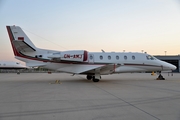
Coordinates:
x,y
175,60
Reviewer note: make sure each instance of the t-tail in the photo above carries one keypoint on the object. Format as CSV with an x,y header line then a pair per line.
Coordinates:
x,y
23,48
19,40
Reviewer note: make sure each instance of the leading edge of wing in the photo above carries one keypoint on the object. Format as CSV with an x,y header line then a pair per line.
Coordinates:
x,y
91,68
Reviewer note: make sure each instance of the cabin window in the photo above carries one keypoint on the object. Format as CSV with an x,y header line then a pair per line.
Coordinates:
x,y
125,57
91,57
117,57
101,57
133,57
109,57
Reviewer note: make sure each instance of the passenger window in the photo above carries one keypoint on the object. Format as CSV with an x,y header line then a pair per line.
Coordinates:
x,y
91,57
101,57
133,57
117,57
109,57
125,57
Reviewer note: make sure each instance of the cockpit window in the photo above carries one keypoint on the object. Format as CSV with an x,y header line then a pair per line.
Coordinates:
x,y
149,57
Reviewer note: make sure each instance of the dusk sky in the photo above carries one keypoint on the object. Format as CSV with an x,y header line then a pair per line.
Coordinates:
x,y
112,25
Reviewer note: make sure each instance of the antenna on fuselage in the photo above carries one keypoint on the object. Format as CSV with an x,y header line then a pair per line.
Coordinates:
x,y
102,50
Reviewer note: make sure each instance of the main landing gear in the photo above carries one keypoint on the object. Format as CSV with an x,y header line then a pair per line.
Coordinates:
x,y
160,77
95,78
89,77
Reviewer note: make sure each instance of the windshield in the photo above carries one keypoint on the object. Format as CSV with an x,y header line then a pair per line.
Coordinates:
x,y
149,57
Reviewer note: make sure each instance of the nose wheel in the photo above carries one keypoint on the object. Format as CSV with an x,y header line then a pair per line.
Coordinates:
x,y
160,77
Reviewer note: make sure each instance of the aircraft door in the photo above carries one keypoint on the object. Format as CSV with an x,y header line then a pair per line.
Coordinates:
x,y
91,58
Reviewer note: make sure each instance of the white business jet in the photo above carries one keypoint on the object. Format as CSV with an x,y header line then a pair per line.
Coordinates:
x,y
11,65
92,64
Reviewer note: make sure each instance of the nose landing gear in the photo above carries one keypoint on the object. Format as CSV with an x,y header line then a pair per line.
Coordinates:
x,y
160,77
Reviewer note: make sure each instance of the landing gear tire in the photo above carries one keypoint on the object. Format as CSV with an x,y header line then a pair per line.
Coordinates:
x,y
95,80
89,77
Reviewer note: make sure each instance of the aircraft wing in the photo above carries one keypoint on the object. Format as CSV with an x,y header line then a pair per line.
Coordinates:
x,y
78,69
109,68
86,69
35,64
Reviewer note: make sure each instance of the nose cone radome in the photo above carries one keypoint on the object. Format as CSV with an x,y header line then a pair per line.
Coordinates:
x,y
173,67
168,66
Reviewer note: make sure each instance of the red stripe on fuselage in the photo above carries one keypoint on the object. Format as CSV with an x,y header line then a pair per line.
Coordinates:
x,y
129,64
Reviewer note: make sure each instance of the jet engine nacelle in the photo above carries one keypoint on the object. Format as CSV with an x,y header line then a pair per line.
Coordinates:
x,y
74,55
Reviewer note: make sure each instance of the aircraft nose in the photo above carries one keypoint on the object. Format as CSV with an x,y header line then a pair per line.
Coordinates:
x,y
173,67
168,66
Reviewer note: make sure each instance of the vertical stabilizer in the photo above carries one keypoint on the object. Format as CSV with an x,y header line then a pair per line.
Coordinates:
x,y
19,40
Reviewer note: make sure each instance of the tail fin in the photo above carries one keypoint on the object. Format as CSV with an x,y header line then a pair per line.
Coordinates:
x,y
19,41
24,49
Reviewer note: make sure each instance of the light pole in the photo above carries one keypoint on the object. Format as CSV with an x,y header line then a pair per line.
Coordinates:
x,y
165,52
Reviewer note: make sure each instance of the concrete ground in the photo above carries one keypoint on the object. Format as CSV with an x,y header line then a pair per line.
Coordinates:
x,y
137,96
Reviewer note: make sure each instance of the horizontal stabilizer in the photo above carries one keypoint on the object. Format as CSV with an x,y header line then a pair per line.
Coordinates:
x,y
35,64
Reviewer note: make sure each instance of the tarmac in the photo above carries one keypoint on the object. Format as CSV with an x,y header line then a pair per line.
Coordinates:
x,y
61,96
